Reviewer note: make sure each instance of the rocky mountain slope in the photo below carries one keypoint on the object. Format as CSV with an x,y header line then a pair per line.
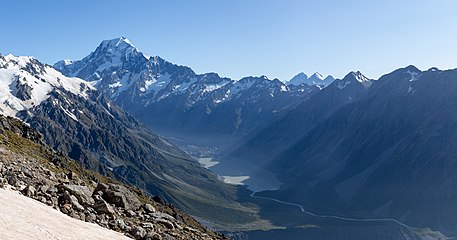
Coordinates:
x,y
264,144
77,120
174,100
40,173
388,154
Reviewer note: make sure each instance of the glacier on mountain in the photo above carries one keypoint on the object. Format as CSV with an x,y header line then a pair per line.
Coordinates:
x,y
26,83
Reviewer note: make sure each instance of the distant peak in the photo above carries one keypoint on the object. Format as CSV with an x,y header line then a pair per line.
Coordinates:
x,y
412,68
329,78
20,61
409,67
317,75
359,76
299,77
315,79
301,74
116,44
126,40
66,62
12,57
120,40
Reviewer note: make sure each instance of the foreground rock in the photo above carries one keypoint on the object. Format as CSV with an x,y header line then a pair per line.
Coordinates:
x,y
35,221
37,172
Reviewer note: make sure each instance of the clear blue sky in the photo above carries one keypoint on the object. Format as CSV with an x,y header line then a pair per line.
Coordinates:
x,y
237,38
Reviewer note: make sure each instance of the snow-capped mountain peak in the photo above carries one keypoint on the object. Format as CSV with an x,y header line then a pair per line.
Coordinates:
x,y
66,62
298,79
359,76
316,79
108,59
25,82
117,45
415,73
264,77
354,77
117,50
317,75
171,97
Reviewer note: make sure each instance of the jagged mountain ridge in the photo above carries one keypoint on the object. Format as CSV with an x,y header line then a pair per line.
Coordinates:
x,y
387,154
25,83
166,96
315,79
264,144
84,124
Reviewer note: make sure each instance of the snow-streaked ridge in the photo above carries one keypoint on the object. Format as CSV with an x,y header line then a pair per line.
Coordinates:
x,y
117,44
25,83
359,76
362,79
413,75
354,76
317,75
121,72
316,79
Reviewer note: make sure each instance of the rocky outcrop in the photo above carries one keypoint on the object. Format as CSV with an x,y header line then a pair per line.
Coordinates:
x,y
8,123
37,172
118,196
23,91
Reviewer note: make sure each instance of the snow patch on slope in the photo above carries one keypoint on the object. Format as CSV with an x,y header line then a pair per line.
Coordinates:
x,y
24,218
362,79
241,85
340,85
414,75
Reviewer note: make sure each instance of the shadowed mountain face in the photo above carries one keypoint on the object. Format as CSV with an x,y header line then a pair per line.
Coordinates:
x,y
77,120
389,153
175,100
263,145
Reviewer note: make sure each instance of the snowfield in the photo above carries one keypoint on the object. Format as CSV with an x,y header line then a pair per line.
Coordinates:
x,y
24,218
17,74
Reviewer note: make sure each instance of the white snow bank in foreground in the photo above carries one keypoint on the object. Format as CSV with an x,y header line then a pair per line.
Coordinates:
x,y
24,218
